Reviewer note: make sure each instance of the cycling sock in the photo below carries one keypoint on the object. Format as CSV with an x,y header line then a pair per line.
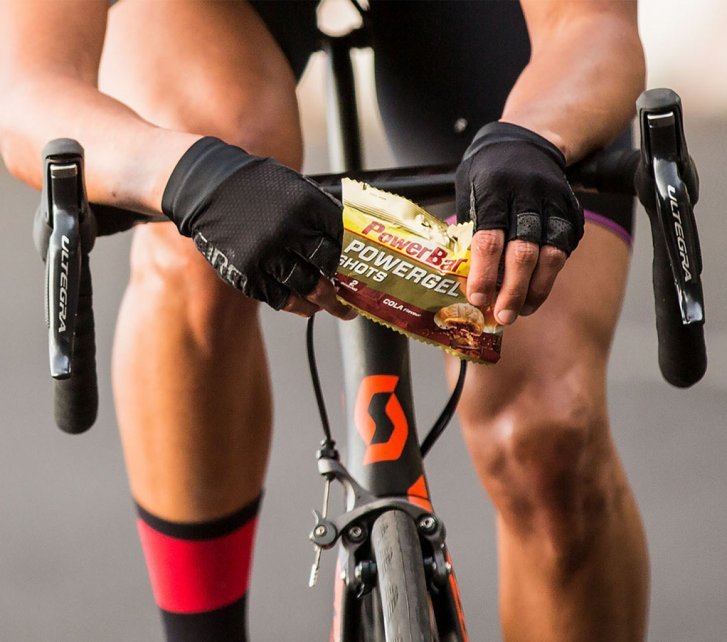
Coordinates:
x,y
199,573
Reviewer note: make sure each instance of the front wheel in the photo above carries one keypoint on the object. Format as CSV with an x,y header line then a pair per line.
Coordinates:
x,y
401,585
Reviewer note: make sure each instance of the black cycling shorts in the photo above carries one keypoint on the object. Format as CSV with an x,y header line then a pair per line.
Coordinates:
x,y
443,70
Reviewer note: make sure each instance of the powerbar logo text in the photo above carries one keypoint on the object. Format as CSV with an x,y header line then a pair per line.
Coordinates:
x,y
679,230
371,262
436,256
63,288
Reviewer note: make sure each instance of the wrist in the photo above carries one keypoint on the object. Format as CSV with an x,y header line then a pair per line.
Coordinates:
x,y
201,169
133,175
500,133
548,134
160,155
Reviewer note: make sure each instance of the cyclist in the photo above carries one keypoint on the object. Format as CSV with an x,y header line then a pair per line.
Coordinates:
x,y
151,89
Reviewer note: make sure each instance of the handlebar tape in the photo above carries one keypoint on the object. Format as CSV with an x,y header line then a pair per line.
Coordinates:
x,y
609,172
682,351
76,397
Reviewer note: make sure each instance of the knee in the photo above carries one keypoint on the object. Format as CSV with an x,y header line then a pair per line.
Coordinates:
x,y
258,113
547,462
262,118
242,92
171,283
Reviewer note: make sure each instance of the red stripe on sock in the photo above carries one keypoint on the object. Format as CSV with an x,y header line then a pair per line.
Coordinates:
x,y
193,576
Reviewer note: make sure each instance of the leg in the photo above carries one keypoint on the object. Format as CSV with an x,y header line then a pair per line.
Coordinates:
x,y
573,562
572,554
190,374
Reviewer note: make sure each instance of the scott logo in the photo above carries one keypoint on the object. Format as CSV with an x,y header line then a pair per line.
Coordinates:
x,y
679,230
392,448
63,286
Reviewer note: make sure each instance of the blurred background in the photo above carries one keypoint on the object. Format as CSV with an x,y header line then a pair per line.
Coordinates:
x,y
70,564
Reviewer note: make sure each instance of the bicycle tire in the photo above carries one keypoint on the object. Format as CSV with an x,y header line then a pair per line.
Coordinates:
x,y
401,585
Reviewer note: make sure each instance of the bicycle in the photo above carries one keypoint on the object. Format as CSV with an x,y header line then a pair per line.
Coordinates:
x,y
393,544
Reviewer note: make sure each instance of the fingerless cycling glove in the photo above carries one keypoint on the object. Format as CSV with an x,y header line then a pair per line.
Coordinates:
x,y
513,179
265,229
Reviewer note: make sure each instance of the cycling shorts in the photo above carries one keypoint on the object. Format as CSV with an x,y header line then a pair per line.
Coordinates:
x,y
443,70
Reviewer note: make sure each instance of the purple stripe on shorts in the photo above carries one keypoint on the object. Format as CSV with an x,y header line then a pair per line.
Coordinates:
x,y
609,225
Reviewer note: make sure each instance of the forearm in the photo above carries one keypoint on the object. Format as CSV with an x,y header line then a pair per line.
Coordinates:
x,y
579,89
128,160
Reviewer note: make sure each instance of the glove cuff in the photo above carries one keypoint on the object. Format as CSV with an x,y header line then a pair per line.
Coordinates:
x,y
197,175
496,132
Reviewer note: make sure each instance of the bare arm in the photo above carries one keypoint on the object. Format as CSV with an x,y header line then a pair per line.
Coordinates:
x,y
586,70
49,58
578,92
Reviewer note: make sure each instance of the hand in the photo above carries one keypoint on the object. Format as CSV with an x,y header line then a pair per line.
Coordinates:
x,y
511,183
267,230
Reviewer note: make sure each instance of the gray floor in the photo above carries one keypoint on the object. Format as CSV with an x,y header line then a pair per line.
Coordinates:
x,y
70,565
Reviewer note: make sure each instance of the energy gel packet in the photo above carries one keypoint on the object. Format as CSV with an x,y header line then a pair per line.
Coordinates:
x,y
406,269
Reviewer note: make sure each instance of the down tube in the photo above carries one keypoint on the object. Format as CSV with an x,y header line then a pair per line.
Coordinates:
x,y
382,446
381,442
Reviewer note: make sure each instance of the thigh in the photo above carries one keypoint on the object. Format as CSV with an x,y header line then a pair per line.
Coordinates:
x,y
211,68
442,71
557,357
195,439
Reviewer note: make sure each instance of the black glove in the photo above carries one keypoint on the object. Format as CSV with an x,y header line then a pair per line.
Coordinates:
x,y
513,179
267,230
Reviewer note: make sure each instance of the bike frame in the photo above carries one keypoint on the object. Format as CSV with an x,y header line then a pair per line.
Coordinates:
x,y
383,453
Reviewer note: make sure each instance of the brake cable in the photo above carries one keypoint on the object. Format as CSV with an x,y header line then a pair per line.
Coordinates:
x,y
434,433
310,349
448,411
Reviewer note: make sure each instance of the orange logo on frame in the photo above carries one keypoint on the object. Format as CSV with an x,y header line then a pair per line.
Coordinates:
x,y
392,448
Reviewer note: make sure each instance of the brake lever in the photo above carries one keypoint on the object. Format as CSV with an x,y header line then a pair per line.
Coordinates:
x,y
60,210
664,154
64,234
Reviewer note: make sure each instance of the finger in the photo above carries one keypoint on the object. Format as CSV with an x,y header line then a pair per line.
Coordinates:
x,y
550,263
300,306
325,255
302,277
521,257
562,234
324,296
485,253
526,226
269,290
